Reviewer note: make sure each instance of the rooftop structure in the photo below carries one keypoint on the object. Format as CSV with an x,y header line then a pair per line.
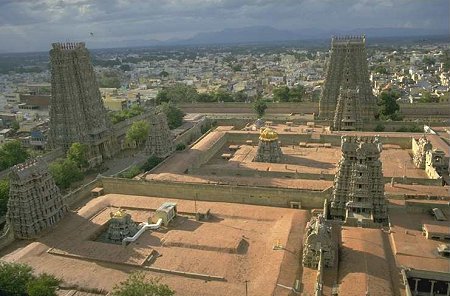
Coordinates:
x,y
268,147
358,189
160,139
35,202
192,257
120,226
318,240
77,113
347,70
419,148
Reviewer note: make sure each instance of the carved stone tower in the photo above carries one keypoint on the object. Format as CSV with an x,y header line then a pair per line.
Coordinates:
x,y
347,77
347,116
268,147
160,139
35,202
358,189
420,149
120,226
77,113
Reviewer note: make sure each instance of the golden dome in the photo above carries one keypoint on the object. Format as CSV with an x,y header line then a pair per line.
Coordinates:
x,y
268,134
120,213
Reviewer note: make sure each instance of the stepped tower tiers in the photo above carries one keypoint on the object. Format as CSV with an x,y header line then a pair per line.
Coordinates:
x,y
358,189
347,67
120,226
35,202
160,141
347,116
318,240
268,147
77,113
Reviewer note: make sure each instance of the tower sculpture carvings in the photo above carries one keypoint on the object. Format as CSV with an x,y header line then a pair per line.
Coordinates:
x,y
347,96
77,113
268,147
358,189
160,139
35,202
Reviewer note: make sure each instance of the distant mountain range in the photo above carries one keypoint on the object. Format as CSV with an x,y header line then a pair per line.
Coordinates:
x,y
260,34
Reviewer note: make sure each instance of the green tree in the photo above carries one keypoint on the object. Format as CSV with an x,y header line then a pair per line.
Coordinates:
x,y
174,115
428,98
4,195
151,162
164,73
380,69
110,80
125,67
43,285
12,153
65,172
137,285
138,132
260,107
281,94
296,94
78,153
15,126
240,96
223,96
177,93
429,61
388,104
204,97
379,128
14,278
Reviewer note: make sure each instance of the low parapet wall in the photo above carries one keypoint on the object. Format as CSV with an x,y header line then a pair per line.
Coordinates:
x,y
266,196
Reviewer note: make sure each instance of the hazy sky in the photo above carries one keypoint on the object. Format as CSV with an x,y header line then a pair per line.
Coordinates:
x,y
27,25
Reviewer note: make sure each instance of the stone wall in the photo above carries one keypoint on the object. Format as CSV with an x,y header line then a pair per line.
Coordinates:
x,y
272,108
81,193
267,196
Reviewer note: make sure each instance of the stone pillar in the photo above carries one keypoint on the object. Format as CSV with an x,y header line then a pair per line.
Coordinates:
x,y
448,289
415,286
432,288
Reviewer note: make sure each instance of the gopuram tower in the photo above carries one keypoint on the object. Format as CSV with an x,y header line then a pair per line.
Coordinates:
x,y
77,113
160,139
347,79
35,201
358,189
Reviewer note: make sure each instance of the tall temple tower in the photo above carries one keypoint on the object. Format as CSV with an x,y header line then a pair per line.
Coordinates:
x,y
347,81
35,202
77,113
358,189
160,139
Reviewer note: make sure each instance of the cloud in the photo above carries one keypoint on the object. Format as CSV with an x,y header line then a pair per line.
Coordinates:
x,y
34,24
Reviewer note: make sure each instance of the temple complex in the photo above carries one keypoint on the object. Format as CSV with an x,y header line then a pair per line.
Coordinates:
x,y
268,147
77,113
160,139
318,240
347,96
35,202
358,188
120,226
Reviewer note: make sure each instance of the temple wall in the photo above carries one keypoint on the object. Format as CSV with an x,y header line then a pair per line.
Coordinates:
x,y
266,196
334,139
81,193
